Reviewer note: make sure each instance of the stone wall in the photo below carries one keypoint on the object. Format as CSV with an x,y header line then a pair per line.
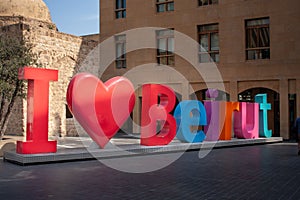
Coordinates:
x,y
58,51
71,128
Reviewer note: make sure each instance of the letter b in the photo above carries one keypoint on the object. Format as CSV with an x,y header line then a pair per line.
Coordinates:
x,y
157,102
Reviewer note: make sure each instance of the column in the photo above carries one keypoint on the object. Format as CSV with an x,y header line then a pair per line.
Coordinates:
x,y
233,91
233,97
284,109
298,97
186,90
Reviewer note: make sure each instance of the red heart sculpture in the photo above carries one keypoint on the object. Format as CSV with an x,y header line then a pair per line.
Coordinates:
x,y
100,108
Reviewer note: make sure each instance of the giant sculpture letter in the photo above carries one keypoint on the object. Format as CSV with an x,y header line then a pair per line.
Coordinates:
x,y
157,102
227,128
263,115
187,114
215,111
37,111
246,121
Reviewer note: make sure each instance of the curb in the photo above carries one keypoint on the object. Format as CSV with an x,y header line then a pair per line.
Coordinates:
x,y
81,153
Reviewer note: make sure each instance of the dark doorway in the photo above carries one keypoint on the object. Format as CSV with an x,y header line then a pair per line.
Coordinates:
x,y
273,99
292,115
201,96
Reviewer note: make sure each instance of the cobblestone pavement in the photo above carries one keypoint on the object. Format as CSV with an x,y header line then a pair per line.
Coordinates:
x,y
252,172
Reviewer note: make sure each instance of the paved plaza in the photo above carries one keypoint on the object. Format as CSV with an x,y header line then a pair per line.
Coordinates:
x,y
269,171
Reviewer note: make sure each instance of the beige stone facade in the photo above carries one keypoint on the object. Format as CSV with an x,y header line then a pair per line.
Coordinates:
x,y
278,76
31,20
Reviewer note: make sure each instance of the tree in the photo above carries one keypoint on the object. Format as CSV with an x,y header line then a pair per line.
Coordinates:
x,y
14,54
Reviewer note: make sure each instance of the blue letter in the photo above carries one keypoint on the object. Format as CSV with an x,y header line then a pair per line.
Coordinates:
x,y
187,114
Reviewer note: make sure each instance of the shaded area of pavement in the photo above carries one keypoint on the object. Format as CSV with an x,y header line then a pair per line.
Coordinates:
x,y
8,143
83,148
252,172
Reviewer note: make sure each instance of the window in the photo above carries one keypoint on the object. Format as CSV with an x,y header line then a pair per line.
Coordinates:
x,y
120,9
165,47
120,51
164,5
258,39
209,43
207,2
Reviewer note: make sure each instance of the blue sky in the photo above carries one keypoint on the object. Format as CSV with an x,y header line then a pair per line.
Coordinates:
x,y
77,17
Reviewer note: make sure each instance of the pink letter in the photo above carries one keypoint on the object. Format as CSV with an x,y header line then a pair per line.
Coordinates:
x,y
246,121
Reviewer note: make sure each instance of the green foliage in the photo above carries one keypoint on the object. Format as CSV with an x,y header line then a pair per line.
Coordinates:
x,y
14,54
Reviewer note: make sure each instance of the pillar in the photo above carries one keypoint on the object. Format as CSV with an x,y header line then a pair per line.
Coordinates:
x,y
284,109
233,91
233,96
298,97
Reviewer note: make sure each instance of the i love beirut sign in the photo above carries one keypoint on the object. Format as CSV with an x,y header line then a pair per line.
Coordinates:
x,y
102,108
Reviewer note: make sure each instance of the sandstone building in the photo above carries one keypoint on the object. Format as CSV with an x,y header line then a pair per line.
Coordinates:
x,y
31,20
254,44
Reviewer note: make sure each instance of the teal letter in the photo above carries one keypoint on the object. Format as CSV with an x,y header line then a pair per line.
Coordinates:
x,y
263,115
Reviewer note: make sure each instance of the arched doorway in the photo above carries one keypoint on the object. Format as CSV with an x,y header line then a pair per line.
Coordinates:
x,y
201,96
273,99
